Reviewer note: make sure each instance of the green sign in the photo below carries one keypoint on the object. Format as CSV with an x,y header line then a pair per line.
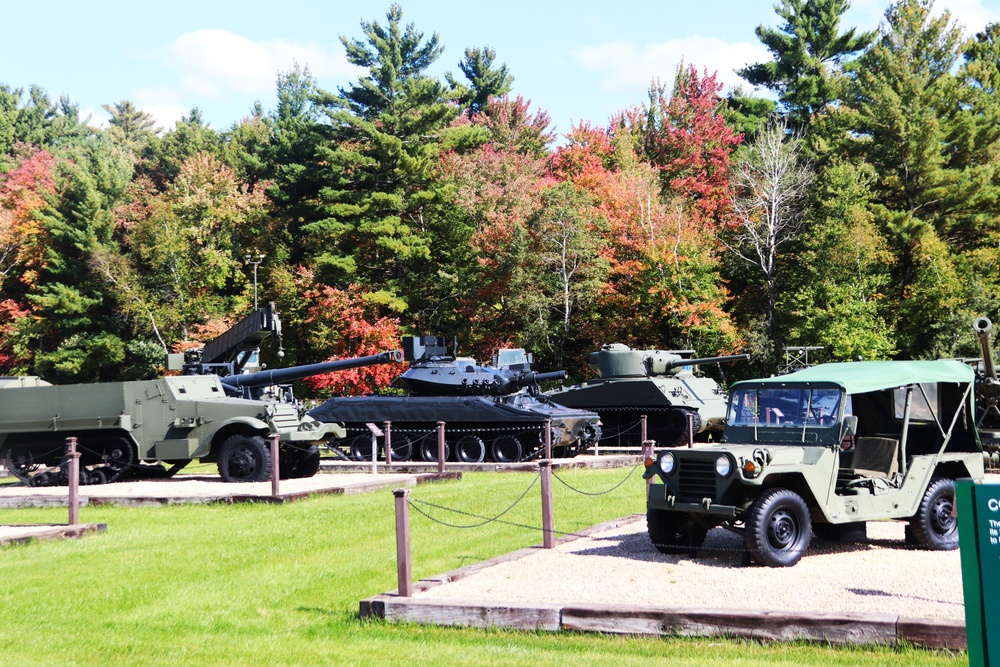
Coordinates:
x,y
979,540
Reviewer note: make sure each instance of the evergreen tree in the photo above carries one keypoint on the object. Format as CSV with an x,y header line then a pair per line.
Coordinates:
x,y
808,50
380,202
129,126
485,81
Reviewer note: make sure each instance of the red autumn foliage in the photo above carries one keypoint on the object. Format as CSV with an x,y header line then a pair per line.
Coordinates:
x,y
344,324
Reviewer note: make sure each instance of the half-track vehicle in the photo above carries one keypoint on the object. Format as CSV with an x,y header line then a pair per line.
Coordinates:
x,y
156,427
824,450
492,413
660,384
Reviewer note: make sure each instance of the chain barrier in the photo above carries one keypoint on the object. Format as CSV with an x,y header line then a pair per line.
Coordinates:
x,y
486,520
599,493
622,430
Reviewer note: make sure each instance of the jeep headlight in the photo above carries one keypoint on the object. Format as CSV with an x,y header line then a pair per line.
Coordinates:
x,y
723,466
667,463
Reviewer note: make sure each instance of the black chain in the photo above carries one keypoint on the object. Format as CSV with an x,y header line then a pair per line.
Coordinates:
x,y
485,521
599,493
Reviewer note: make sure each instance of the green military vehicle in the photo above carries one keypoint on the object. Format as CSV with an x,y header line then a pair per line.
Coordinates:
x,y
824,450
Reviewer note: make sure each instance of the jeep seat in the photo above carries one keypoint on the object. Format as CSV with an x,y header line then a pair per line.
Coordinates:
x,y
875,457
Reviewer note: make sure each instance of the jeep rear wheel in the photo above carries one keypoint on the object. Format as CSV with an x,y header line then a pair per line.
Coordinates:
x,y
933,525
778,528
674,532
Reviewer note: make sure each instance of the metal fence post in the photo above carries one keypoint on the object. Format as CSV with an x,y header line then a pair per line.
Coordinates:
x,y
548,518
690,430
74,481
642,432
440,447
404,573
548,438
275,465
388,443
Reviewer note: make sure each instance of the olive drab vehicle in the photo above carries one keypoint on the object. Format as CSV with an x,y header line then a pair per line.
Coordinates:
x,y
660,384
824,450
156,427
987,387
492,413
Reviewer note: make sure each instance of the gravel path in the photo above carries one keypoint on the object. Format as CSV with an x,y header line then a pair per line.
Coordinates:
x,y
620,566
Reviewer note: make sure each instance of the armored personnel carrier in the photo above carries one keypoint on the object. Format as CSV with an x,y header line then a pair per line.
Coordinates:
x,y
156,427
492,413
660,384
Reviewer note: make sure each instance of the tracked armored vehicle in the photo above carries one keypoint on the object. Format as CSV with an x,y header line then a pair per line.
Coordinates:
x,y
987,388
660,384
492,413
156,427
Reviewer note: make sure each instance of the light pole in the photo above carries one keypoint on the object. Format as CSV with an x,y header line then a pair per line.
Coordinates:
x,y
256,262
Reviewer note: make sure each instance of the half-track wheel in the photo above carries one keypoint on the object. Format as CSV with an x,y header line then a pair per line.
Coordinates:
x,y
299,462
22,461
245,458
118,456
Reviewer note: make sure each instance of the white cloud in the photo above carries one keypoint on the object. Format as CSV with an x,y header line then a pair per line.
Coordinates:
x,y
217,62
624,65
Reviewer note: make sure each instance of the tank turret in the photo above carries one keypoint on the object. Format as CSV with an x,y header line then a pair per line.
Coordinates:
x,y
660,384
435,372
491,413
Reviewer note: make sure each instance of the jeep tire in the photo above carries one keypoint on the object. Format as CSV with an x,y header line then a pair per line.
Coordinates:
x,y
674,532
778,528
934,526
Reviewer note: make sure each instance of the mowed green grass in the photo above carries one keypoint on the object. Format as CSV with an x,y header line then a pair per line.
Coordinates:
x,y
260,584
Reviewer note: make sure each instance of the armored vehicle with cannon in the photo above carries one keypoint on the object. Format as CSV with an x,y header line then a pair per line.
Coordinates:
x,y
156,427
660,384
824,450
987,387
491,413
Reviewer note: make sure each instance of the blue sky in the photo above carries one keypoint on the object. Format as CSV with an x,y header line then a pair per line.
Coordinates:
x,y
577,61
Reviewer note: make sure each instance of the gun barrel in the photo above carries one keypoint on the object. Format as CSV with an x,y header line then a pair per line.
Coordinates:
x,y
706,360
983,327
283,375
538,378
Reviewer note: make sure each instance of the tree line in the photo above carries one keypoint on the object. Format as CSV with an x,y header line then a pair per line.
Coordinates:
x,y
856,208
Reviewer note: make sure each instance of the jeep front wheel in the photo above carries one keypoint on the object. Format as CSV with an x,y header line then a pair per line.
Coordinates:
x,y
778,528
933,525
674,532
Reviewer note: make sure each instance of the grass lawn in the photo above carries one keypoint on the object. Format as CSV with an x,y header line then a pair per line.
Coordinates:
x,y
280,585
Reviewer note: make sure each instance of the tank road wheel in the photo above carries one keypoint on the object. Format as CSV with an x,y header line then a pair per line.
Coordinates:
x,y
245,458
778,528
361,447
20,460
506,449
402,447
470,449
933,525
429,449
674,532
119,457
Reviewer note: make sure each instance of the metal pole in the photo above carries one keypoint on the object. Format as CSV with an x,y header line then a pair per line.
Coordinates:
x,y
388,442
548,438
403,570
642,420
374,454
690,430
440,447
548,519
275,465
74,482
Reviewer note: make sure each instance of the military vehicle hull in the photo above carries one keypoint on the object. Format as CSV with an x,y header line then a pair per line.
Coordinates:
x,y
477,428
657,384
149,428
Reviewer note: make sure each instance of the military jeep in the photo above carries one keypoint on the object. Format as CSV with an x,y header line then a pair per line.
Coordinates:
x,y
824,450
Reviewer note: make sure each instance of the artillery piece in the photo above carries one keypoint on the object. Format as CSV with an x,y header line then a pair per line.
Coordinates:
x,y
139,428
987,387
492,413
660,384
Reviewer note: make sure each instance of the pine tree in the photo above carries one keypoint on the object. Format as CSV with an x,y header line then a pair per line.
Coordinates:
x,y
129,125
485,81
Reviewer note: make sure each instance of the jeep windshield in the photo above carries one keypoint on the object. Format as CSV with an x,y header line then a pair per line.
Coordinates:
x,y
787,407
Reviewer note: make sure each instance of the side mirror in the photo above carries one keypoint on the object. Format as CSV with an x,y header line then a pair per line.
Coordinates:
x,y
850,425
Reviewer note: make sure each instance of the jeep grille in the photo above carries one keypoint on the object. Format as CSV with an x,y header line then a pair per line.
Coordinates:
x,y
697,479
